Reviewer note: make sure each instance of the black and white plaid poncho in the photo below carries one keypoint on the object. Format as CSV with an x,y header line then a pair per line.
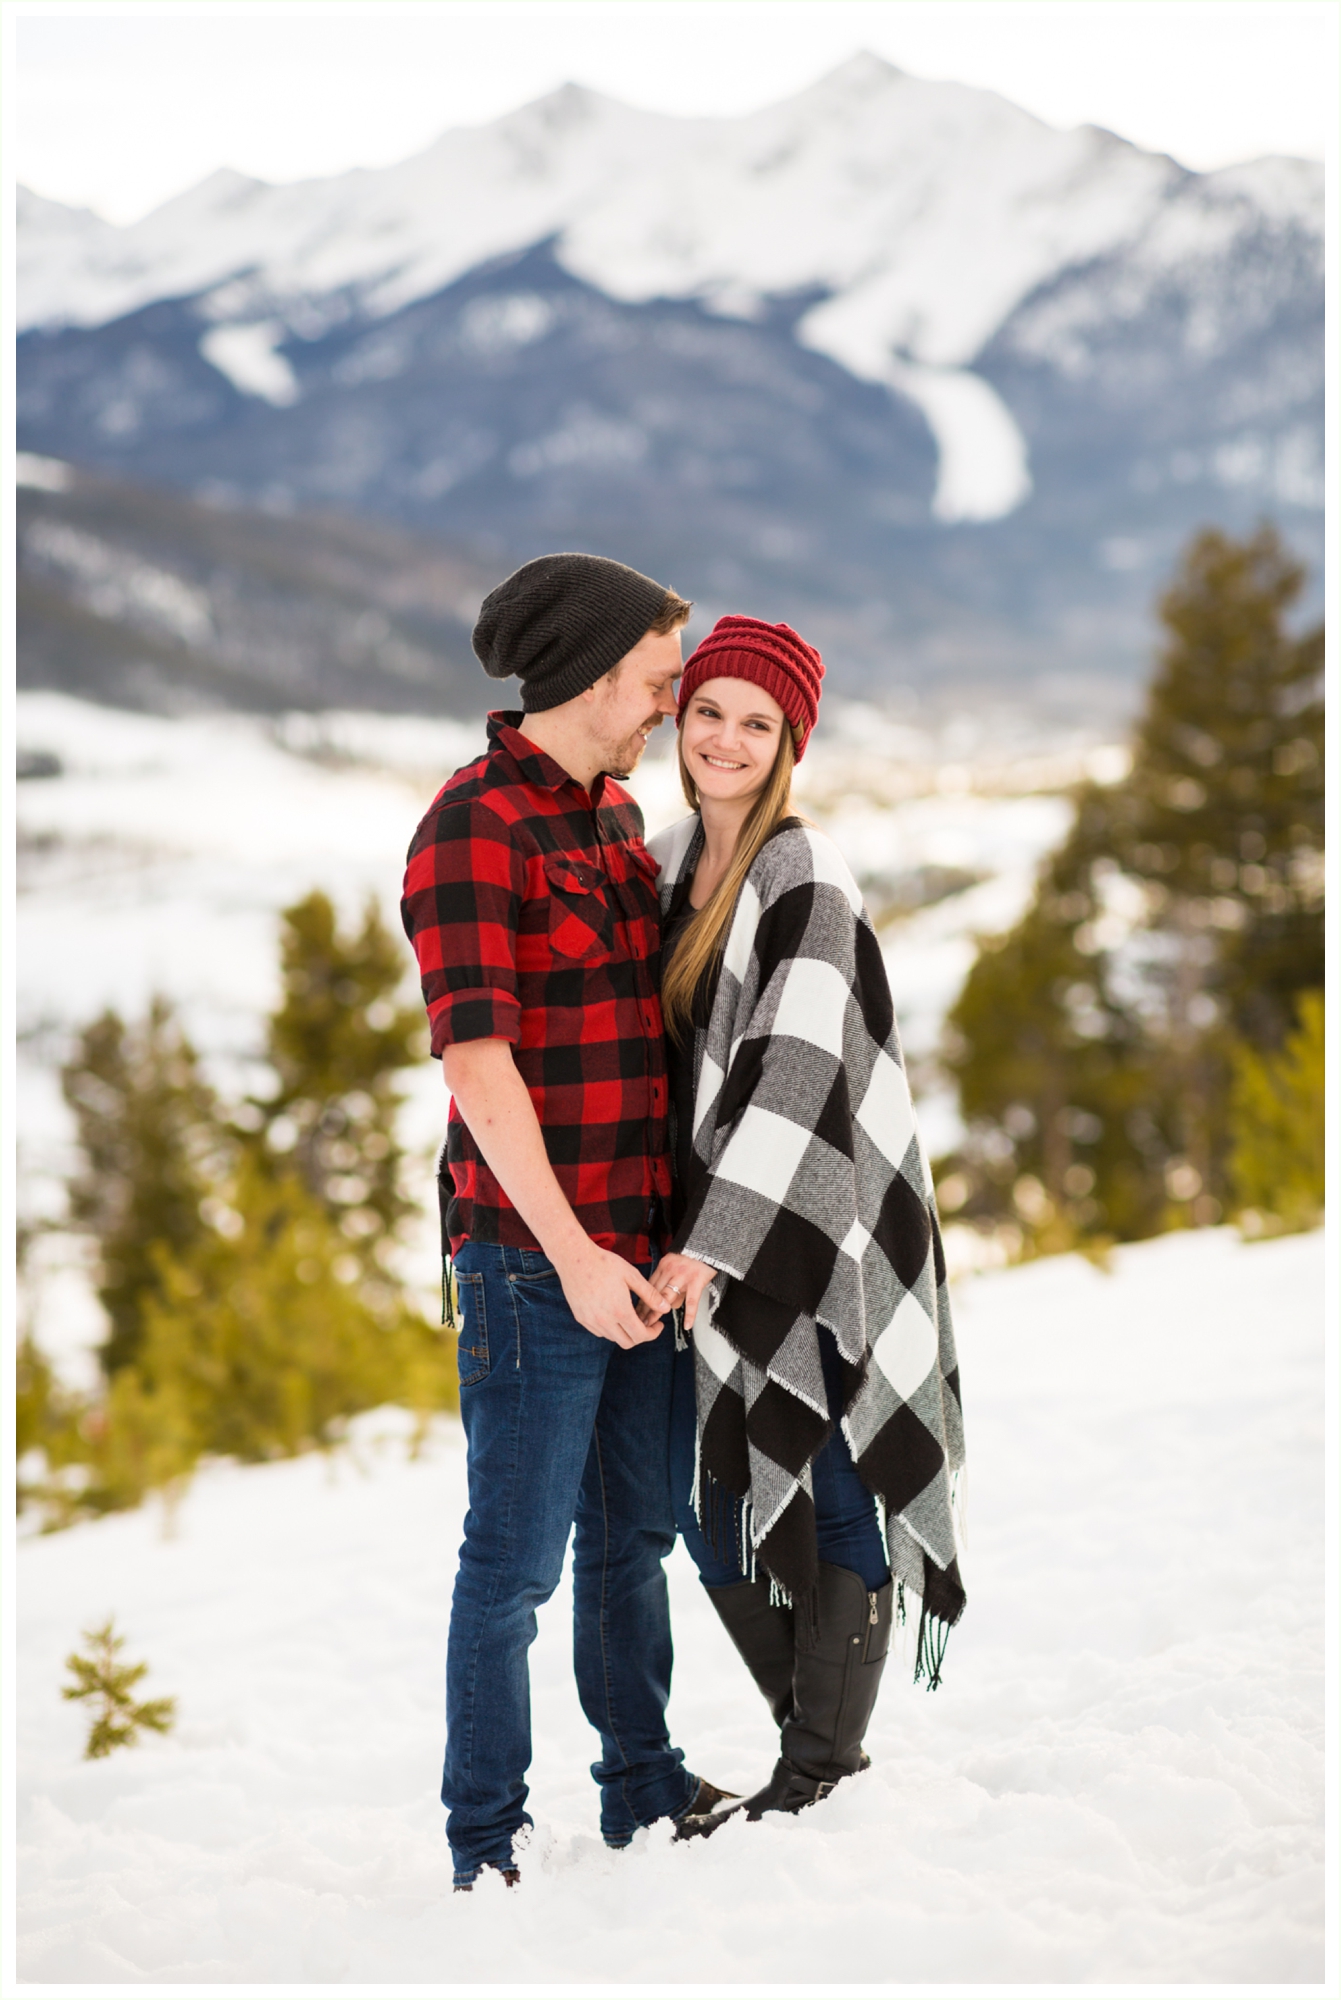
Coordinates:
x,y
811,1198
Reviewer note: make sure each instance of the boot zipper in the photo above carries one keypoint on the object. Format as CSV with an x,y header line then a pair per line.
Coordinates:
x,y
875,1616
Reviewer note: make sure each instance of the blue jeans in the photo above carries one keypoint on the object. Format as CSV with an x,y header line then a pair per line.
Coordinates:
x,y
562,1431
846,1527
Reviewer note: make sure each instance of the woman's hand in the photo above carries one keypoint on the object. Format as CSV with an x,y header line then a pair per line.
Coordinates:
x,y
681,1280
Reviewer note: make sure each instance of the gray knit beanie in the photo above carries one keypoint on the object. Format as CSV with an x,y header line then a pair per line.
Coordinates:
x,y
561,622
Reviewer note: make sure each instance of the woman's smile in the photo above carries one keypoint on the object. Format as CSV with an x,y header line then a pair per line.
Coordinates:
x,y
729,738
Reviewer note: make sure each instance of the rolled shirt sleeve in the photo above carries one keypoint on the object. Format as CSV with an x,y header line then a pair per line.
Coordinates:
x,y
464,887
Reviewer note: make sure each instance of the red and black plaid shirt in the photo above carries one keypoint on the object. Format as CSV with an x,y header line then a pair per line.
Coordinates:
x,y
532,908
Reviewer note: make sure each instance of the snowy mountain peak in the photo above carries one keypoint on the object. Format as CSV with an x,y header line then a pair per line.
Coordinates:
x,y
920,215
225,188
863,69
222,198
1284,189
562,110
927,210
863,75
955,198
39,211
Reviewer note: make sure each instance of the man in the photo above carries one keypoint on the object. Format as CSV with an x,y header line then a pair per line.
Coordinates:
x,y
531,904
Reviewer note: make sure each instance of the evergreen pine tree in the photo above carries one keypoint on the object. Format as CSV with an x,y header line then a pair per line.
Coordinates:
x,y
1278,1127
1182,914
142,1438
150,1136
267,1332
47,1420
1056,1074
34,1398
335,1044
1224,807
245,1269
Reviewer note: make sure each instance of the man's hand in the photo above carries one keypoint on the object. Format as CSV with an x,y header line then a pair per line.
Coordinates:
x,y
497,1107
680,1281
597,1285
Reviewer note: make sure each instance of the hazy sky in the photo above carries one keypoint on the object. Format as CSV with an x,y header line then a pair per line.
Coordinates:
x,y
118,108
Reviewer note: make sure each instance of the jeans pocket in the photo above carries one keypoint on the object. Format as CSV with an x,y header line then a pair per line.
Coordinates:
x,y
546,1275
472,1343
543,1312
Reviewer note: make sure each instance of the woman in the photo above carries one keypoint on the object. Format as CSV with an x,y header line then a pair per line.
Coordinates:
x,y
817,1421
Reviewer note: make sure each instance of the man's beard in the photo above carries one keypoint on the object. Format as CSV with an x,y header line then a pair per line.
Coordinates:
x,y
622,759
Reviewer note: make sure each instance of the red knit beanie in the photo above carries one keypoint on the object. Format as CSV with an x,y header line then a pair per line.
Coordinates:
x,y
772,656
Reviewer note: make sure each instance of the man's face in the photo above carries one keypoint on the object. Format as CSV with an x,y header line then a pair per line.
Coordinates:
x,y
629,702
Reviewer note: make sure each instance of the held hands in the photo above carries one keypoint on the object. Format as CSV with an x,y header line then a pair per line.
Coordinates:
x,y
597,1285
680,1281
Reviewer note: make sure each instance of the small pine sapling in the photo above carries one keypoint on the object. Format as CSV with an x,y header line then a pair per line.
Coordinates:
x,y
106,1685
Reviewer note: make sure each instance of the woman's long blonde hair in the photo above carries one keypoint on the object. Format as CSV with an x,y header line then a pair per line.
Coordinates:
x,y
704,936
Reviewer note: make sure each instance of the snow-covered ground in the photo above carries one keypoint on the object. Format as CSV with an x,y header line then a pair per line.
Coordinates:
x,y
158,856
1121,1779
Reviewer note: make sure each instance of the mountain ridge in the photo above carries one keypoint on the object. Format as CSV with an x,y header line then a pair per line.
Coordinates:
x,y
575,162
893,359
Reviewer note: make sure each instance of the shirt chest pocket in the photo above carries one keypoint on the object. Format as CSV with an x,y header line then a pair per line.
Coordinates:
x,y
581,926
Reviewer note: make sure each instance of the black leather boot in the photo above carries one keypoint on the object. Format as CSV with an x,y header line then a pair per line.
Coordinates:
x,y
764,1636
837,1677
835,1680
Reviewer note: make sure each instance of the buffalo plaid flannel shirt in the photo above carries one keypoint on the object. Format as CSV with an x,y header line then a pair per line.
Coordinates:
x,y
532,908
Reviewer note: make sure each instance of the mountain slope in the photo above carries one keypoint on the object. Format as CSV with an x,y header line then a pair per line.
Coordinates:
x,y
893,359
146,600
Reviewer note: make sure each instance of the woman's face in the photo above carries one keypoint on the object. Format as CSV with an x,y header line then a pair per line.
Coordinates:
x,y
729,738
